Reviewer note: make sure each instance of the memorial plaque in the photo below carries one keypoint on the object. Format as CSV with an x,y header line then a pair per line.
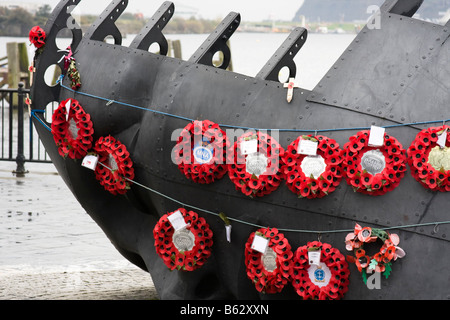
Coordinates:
x,y
269,260
183,239
373,161
313,165
256,163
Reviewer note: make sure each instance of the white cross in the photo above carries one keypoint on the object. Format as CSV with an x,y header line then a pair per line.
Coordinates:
x,y
290,86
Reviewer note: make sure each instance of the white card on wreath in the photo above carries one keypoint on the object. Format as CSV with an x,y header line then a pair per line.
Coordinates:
x,y
307,147
90,161
249,146
260,243
176,219
314,257
376,136
442,139
68,103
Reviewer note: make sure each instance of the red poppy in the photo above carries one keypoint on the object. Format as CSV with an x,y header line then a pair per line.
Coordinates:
x,y
176,258
269,281
365,182
259,171
200,152
37,36
331,259
116,177
418,157
301,182
72,133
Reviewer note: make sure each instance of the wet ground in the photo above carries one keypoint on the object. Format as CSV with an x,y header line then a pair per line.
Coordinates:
x,y
50,248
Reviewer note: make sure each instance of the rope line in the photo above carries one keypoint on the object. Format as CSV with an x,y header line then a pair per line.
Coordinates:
x,y
436,224
109,102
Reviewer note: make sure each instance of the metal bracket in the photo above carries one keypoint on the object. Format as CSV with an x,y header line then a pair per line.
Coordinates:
x,y
152,32
405,8
217,41
105,25
284,56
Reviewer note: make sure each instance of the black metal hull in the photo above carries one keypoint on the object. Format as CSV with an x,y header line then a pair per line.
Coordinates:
x,y
398,74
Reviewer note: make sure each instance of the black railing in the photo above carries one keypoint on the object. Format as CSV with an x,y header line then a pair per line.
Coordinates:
x,y
15,120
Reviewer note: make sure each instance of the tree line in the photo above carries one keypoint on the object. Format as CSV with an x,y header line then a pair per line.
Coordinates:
x,y
17,22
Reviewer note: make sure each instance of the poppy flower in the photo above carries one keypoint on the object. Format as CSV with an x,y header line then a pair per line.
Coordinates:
x,y
37,36
373,184
119,167
73,134
320,185
336,264
200,152
175,258
243,171
269,281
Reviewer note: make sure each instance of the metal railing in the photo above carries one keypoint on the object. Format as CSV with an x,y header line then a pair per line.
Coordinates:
x,y
16,128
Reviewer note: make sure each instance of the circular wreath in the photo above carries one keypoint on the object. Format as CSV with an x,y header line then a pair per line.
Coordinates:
x,y
429,163
257,173
312,176
201,152
115,168
327,281
387,163
270,271
172,253
37,36
74,135
380,261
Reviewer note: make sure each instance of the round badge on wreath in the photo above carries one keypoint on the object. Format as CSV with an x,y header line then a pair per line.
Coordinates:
x,y
115,169
320,272
312,174
268,258
72,129
254,166
380,261
429,158
373,170
183,240
200,152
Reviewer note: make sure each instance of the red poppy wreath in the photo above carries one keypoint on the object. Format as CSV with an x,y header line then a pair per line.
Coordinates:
x,y
430,162
312,176
254,166
326,278
73,132
201,152
373,170
187,248
115,169
270,271
37,36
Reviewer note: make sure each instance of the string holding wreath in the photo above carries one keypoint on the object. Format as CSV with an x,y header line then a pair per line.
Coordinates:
x,y
72,129
117,169
315,175
373,170
325,277
254,164
429,160
201,150
186,249
380,261
271,270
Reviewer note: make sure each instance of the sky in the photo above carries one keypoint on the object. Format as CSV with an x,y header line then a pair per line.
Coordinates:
x,y
250,10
